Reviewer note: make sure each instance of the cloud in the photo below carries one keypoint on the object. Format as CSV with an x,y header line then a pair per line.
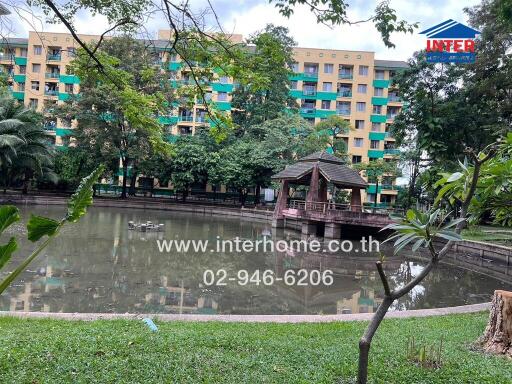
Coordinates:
x,y
247,16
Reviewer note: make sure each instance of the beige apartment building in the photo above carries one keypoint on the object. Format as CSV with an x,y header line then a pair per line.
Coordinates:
x,y
351,84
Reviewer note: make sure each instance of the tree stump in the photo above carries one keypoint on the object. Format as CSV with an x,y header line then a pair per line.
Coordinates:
x,y
497,337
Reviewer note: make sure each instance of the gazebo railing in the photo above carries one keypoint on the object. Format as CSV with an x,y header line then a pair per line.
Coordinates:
x,y
331,208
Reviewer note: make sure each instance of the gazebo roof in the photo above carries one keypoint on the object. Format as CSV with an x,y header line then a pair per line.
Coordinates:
x,y
330,167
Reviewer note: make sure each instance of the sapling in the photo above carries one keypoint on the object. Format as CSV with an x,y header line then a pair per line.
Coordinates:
x,y
39,226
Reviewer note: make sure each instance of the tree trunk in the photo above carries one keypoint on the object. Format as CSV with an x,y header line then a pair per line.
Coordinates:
x,y
26,182
133,181
125,177
257,195
497,337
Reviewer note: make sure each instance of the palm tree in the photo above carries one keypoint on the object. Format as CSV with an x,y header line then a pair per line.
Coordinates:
x,y
25,149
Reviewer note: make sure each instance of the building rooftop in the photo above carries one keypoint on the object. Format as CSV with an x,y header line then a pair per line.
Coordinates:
x,y
391,64
14,41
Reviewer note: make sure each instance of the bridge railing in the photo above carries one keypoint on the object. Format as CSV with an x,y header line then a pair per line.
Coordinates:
x,y
333,208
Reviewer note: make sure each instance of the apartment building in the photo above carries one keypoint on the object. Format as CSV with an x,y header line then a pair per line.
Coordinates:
x,y
351,84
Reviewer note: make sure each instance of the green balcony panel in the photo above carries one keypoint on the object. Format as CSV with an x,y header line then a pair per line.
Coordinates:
x,y
378,118
326,95
219,87
324,113
295,93
69,79
371,188
61,148
18,95
392,151
329,150
223,105
63,132
19,78
295,77
171,138
20,60
313,76
379,101
174,65
381,83
375,154
63,96
377,135
168,120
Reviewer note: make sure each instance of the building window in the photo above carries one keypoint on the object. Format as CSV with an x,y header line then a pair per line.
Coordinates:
x,y
71,52
23,52
295,67
363,70
356,159
360,106
326,104
38,50
224,80
359,124
358,142
36,68
21,87
328,68
375,127
361,88
327,87
222,96
374,144
34,85
379,91
23,69
379,74
294,84
377,109
68,88
33,103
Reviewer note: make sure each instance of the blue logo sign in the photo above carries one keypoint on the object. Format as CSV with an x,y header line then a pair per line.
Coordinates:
x,y
450,42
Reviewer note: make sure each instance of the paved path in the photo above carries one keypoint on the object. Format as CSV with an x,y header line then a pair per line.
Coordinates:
x,y
249,318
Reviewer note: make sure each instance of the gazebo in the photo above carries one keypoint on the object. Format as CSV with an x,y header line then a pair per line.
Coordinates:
x,y
316,171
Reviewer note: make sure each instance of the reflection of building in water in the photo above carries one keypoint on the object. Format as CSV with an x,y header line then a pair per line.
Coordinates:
x,y
180,299
363,301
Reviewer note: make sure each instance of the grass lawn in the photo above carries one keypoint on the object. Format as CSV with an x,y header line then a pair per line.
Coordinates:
x,y
489,234
118,351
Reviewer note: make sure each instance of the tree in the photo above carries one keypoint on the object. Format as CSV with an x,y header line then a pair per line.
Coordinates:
x,y
420,230
25,150
266,97
120,123
332,127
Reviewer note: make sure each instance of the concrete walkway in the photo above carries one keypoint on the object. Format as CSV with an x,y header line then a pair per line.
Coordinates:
x,y
249,318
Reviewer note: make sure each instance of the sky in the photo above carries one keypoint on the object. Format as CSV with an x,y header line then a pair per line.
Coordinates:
x,y
247,16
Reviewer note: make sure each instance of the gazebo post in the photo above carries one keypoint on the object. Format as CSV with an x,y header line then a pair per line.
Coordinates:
x,y
312,195
282,199
355,200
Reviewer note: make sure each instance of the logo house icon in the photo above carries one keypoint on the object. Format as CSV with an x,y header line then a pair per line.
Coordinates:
x,y
450,42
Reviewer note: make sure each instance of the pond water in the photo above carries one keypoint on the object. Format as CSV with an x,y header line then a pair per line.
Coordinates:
x,y
98,265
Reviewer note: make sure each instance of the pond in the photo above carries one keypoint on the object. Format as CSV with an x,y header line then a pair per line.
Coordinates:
x,y
98,265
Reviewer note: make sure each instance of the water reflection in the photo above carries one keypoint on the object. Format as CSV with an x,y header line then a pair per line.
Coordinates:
x,y
100,266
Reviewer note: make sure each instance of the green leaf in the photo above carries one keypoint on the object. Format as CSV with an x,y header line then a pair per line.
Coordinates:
x,y
82,198
418,244
38,226
7,250
454,177
449,235
8,214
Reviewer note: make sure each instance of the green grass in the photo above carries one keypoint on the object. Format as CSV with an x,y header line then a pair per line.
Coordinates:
x,y
57,351
489,234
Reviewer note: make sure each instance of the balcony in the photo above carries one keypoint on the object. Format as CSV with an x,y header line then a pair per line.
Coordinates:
x,y
346,76
53,57
51,92
201,119
391,116
310,75
345,93
309,92
394,98
391,151
343,112
52,75
6,56
308,111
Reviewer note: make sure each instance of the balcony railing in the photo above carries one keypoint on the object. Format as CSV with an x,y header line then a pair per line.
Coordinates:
x,y
347,76
53,57
187,118
51,92
344,93
391,116
51,75
391,151
201,119
7,56
394,98
309,92
312,75
307,110
343,112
